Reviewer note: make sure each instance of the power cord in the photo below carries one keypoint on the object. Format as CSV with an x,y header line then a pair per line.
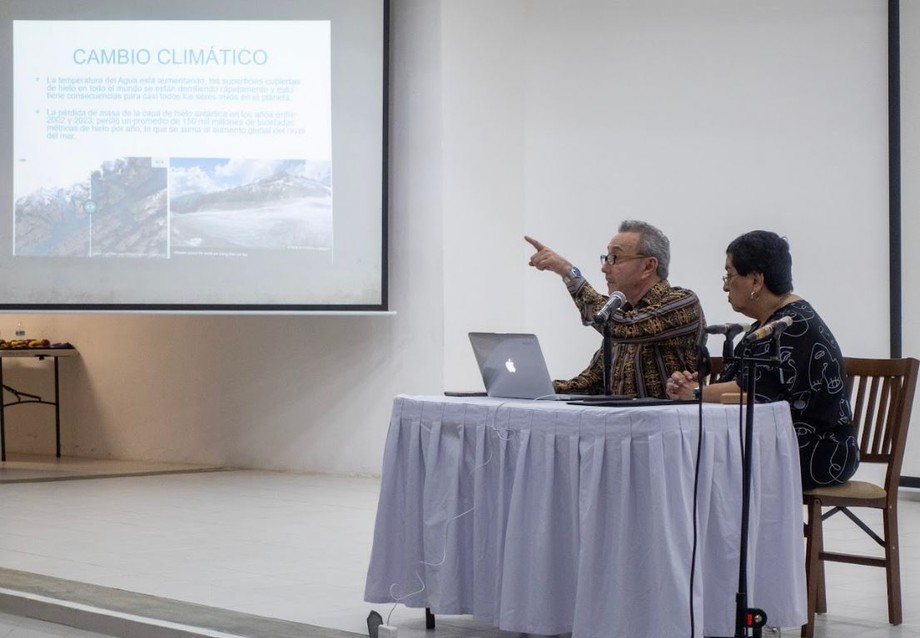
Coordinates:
x,y
380,630
696,486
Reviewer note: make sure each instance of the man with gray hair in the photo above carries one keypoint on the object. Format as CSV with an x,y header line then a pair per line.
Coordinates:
x,y
654,333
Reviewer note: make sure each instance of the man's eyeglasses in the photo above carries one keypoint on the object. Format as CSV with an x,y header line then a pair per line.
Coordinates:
x,y
728,278
619,259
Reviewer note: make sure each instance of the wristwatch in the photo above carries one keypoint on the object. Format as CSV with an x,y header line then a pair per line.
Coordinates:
x,y
571,276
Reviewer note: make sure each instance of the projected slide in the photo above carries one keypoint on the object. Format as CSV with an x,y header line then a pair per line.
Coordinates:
x,y
208,138
193,156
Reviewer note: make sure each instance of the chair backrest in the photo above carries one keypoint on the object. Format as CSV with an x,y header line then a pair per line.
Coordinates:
x,y
882,395
715,370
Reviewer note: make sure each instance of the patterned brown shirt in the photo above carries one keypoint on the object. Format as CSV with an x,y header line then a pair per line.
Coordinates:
x,y
651,341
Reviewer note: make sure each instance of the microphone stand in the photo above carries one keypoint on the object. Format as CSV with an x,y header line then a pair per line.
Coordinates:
x,y
607,345
745,616
703,362
607,357
727,350
703,369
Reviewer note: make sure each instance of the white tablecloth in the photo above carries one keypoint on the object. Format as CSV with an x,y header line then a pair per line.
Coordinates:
x,y
547,518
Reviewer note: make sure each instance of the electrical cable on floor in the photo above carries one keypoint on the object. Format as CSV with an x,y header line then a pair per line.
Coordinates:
x,y
503,434
398,599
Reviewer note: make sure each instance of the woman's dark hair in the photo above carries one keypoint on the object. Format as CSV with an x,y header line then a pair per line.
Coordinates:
x,y
767,253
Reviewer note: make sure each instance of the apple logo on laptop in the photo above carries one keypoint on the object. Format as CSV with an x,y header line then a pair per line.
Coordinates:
x,y
510,365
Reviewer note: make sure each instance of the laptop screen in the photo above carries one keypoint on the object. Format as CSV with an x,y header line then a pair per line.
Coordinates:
x,y
512,365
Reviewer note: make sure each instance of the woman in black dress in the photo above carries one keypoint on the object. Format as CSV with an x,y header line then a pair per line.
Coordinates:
x,y
758,280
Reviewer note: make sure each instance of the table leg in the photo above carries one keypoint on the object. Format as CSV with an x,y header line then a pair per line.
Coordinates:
x,y
57,411
429,619
2,410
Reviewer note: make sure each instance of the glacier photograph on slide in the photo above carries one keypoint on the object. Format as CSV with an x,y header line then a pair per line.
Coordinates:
x,y
53,221
220,205
118,209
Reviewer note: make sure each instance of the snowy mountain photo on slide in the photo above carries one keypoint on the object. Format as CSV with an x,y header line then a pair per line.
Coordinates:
x,y
219,204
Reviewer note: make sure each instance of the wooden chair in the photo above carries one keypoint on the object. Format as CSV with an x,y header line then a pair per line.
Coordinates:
x,y
882,394
715,369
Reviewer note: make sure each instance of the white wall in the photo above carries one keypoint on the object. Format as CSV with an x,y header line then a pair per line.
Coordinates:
x,y
910,208
708,119
288,393
484,193
551,118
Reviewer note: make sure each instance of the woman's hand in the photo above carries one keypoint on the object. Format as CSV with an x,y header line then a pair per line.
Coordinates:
x,y
681,385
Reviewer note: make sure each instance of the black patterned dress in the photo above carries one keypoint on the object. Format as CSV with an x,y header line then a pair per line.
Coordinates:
x,y
811,377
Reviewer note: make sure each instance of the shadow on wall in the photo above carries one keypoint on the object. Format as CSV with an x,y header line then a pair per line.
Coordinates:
x,y
287,393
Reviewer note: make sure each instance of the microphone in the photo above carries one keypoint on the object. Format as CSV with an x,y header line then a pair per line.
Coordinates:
x,y
616,300
730,330
772,328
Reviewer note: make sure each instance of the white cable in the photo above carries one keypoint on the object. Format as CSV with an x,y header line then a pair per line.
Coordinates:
x,y
503,434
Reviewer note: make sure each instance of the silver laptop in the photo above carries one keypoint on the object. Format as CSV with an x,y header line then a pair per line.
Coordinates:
x,y
513,367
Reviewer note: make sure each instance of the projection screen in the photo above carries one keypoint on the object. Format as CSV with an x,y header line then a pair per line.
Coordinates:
x,y
208,155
